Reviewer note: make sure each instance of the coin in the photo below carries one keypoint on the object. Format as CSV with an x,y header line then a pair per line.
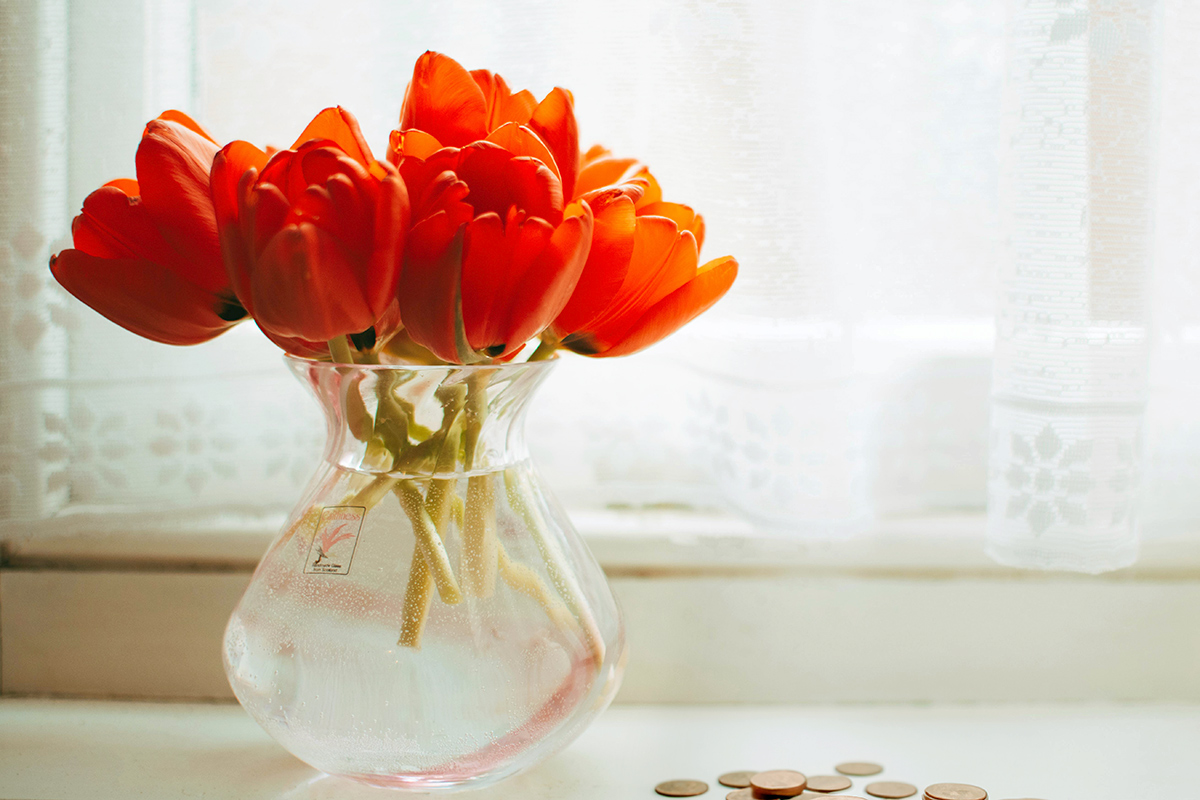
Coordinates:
x,y
740,794
779,782
681,788
859,768
954,791
829,783
892,790
737,780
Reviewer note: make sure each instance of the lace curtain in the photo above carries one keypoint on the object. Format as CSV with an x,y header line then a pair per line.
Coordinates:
x,y
946,212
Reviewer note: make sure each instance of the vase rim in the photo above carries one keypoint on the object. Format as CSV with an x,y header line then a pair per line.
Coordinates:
x,y
312,362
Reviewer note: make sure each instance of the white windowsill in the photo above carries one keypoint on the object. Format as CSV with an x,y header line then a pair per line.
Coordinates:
x,y
63,750
141,614
625,542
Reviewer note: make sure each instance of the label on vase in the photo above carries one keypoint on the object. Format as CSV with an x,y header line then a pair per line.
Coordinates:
x,y
332,547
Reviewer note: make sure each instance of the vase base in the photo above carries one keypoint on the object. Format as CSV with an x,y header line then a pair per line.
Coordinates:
x,y
441,784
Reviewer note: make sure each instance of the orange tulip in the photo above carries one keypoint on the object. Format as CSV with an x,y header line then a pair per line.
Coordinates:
x,y
313,235
447,106
492,256
642,281
146,251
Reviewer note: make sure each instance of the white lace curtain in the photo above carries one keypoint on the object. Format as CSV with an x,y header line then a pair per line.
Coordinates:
x,y
968,232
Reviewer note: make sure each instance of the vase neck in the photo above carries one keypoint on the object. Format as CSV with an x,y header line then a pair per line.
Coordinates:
x,y
423,421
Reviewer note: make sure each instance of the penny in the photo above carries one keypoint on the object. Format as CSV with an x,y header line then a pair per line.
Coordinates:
x,y
681,788
829,783
778,782
859,768
736,780
892,790
740,794
954,791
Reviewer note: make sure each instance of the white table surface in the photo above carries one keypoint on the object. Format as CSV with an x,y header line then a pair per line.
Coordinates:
x,y
65,749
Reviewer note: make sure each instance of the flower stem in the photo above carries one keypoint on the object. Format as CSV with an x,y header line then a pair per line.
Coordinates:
x,y
429,543
479,557
339,350
545,349
439,499
418,596
527,582
522,501
480,547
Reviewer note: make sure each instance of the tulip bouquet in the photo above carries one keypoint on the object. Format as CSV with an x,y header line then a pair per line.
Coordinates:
x,y
484,230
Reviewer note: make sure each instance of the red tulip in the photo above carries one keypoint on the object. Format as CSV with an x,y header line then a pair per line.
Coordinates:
x,y
146,252
313,235
492,256
641,282
452,107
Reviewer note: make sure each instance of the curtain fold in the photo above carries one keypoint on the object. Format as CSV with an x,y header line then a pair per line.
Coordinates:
x,y
1070,376
33,217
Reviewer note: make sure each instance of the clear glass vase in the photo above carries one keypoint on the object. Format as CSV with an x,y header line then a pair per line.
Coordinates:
x,y
427,618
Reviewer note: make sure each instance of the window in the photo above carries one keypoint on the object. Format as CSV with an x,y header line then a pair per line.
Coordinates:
x,y
942,211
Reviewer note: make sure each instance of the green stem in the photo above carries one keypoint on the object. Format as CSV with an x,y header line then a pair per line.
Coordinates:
x,y
545,349
428,542
478,560
339,350
438,502
527,582
418,596
522,501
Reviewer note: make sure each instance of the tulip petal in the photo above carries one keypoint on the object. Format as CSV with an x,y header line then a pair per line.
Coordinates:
x,y
445,101
554,121
339,126
114,225
674,311
601,173
383,269
548,285
318,163
305,286
145,298
298,347
430,289
411,143
496,256
172,165
126,185
594,153
521,141
607,262
266,212
502,105
677,269
229,164
234,170
655,239
653,193
500,181
683,216
183,119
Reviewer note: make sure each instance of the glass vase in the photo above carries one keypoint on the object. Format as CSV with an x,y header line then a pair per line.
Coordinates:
x,y
427,618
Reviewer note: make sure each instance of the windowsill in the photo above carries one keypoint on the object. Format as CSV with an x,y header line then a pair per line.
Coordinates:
x,y
94,749
625,542
142,614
